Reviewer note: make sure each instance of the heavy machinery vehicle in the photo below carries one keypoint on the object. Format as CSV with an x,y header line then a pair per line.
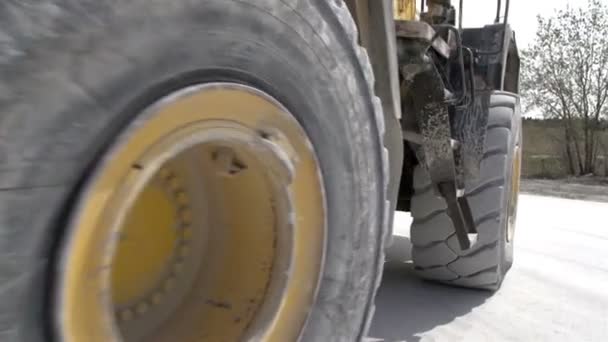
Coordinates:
x,y
219,170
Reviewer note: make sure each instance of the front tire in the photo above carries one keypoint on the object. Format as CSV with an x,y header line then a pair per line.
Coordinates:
x,y
77,76
493,199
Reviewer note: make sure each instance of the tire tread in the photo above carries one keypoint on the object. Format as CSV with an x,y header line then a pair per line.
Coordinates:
x,y
436,252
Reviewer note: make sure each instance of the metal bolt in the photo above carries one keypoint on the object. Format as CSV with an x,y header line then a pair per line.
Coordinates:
x,y
226,161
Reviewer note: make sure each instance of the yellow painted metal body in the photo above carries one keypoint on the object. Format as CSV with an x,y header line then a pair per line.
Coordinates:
x,y
404,9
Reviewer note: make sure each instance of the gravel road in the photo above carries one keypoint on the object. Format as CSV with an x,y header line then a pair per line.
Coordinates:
x,y
556,291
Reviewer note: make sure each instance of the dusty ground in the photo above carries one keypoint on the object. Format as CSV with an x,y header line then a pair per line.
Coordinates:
x,y
585,188
556,291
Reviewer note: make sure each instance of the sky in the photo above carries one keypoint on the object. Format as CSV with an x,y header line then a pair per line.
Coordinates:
x,y
522,14
522,18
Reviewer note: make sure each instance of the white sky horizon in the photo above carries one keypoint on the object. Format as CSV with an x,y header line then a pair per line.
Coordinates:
x,y
522,14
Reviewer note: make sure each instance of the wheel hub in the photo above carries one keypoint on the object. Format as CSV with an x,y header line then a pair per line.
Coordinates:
x,y
206,222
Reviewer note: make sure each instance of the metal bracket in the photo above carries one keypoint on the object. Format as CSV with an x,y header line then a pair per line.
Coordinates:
x,y
424,91
421,30
460,212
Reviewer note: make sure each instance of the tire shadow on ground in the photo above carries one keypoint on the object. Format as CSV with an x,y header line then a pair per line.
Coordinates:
x,y
407,306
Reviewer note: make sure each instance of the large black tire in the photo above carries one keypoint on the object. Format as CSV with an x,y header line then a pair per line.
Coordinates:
x,y
74,73
436,252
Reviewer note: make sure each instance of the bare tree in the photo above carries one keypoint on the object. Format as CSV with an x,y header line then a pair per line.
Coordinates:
x,y
565,75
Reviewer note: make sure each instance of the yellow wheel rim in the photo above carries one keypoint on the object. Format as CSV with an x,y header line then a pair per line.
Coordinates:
x,y
204,222
513,196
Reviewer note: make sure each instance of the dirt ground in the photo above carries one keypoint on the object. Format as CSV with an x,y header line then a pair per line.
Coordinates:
x,y
555,291
582,188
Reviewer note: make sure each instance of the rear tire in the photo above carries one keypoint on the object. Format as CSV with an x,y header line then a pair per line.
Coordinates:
x,y
74,75
436,252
